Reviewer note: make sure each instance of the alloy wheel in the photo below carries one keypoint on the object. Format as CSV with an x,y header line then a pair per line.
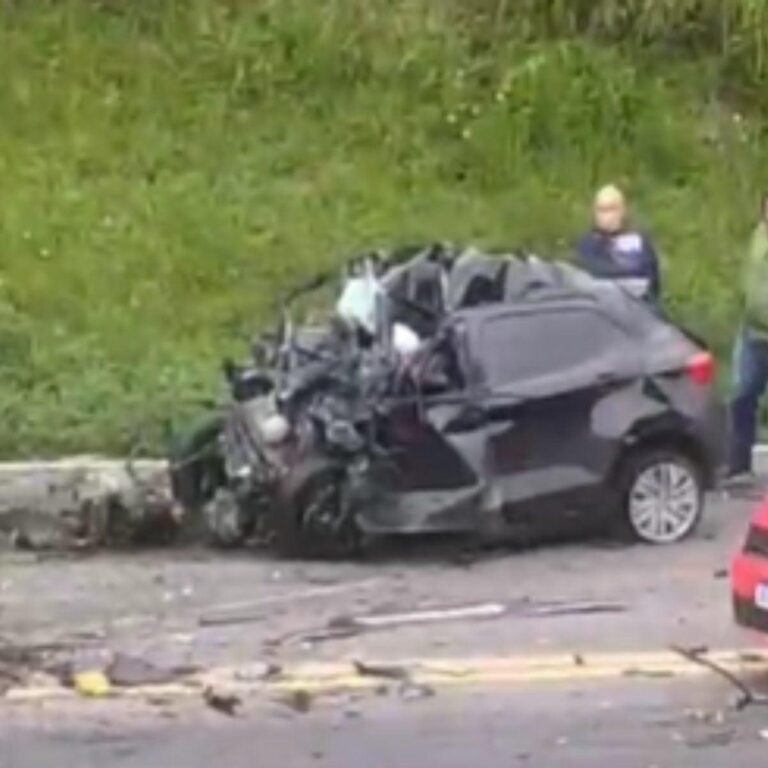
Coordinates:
x,y
664,502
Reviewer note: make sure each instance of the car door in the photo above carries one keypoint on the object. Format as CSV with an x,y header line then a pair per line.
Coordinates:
x,y
545,371
415,427
432,450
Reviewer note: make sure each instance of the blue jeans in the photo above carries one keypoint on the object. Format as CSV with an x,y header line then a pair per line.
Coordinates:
x,y
750,378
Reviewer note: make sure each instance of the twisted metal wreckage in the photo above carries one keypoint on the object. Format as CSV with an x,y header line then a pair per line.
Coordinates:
x,y
391,418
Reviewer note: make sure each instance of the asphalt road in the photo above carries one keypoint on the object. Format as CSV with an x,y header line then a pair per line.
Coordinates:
x,y
630,725
571,714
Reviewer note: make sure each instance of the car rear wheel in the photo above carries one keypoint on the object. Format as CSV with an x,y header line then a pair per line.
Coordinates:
x,y
662,496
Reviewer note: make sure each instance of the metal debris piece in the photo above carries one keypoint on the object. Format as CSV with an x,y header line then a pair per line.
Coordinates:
x,y
427,616
573,608
746,695
346,625
338,628
386,671
299,700
224,620
227,704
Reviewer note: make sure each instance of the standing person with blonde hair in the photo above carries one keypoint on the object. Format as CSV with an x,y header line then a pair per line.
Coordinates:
x,y
613,249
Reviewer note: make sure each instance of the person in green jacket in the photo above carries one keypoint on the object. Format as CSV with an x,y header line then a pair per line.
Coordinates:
x,y
750,360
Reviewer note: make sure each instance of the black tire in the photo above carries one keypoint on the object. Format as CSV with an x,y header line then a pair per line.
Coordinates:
x,y
295,535
677,511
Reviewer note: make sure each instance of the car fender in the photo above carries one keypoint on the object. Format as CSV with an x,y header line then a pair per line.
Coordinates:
x,y
668,430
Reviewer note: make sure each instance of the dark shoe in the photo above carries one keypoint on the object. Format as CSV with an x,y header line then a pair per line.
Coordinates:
x,y
742,485
744,479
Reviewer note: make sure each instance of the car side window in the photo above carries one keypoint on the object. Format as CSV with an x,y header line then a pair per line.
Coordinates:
x,y
567,342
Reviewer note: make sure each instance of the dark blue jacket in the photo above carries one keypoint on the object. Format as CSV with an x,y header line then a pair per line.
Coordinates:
x,y
625,254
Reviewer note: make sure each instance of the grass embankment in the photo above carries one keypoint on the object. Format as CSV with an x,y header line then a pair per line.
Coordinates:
x,y
166,167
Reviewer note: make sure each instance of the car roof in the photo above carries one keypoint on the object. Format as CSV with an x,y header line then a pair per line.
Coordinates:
x,y
532,283
474,282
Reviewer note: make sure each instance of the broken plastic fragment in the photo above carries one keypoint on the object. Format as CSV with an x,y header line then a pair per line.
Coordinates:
x,y
92,683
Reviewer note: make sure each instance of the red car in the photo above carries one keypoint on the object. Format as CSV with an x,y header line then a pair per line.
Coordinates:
x,y
749,574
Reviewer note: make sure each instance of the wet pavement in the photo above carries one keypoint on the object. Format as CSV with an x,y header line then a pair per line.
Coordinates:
x,y
236,610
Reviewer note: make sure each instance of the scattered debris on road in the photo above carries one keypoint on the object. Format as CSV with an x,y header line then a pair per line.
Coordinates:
x,y
409,690
480,611
92,683
129,671
299,700
386,671
746,697
574,608
225,703
20,663
259,610
258,671
344,626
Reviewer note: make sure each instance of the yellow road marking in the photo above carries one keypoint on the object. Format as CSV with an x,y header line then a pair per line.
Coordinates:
x,y
319,677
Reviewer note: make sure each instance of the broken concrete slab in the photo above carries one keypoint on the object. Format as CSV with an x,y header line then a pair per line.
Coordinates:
x,y
84,501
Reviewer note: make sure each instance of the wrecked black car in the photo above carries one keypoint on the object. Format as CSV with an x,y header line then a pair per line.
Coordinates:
x,y
462,392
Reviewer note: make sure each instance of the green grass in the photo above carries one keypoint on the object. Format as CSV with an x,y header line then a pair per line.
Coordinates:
x,y
167,167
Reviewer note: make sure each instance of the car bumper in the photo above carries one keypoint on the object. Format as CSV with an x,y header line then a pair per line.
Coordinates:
x,y
748,572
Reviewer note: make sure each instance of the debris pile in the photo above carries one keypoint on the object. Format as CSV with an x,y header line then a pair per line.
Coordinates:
x,y
84,502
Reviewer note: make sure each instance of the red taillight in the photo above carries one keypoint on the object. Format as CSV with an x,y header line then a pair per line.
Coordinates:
x,y
701,368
